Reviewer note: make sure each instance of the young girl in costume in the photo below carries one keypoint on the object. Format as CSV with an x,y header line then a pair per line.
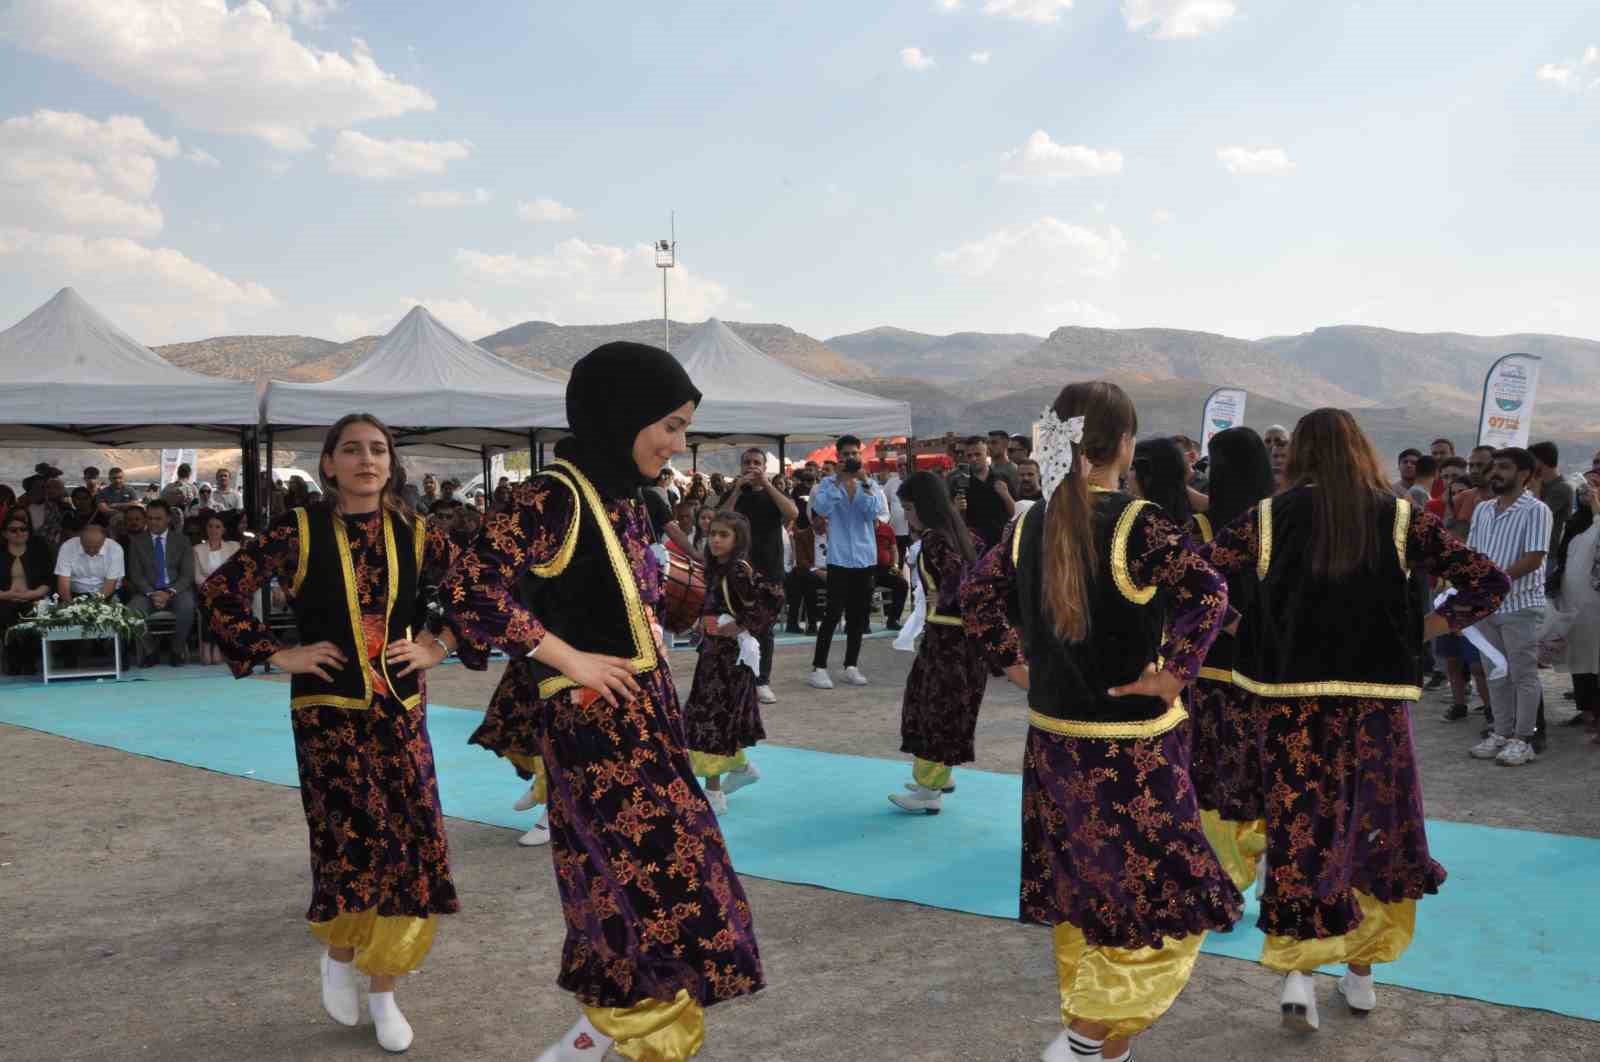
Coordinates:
x,y
939,713
359,571
510,729
722,717
1113,616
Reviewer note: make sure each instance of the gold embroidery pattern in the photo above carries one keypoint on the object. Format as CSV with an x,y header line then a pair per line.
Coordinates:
x,y
639,624
1169,719
1203,522
569,545
1402,530
930,589
392,567
1016,538
1329,688
1217,674
1264,544
1119,556
341,538
303,530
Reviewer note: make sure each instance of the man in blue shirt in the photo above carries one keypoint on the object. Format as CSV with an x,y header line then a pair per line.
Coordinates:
x,y
850,504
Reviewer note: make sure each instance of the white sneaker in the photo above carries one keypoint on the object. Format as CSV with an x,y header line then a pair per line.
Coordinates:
x,y
718,801
734,781
539,835
581,1043
340,997
854,676
819,679
1516,753
394,1032
1299,1002
765,695
1070,1047
1488,748
919,801
912,787
527,801
1360,993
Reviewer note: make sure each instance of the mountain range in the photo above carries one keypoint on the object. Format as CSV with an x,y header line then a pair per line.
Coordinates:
x,y
1404,386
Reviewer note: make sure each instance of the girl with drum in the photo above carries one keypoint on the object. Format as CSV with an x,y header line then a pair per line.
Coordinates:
x,y
722,717
939,714
658,926
359,571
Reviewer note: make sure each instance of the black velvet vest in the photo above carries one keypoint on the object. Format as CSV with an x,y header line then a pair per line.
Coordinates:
x,y
326,608
588,596
1358,636
1067,681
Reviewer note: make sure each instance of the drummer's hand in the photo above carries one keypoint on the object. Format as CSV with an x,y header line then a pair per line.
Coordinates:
x,y
610,676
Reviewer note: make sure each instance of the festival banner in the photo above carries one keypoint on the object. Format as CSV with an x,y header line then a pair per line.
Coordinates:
x,y
171,459
1509,390
1224,410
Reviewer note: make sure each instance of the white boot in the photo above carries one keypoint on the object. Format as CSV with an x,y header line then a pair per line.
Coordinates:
x,y
340,997
394,1032
538,835
1299,1002
527,801
718,801
918,801
734,781
581,1043
1360,993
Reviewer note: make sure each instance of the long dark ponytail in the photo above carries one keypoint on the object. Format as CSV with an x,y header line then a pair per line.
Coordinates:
x,y
927,493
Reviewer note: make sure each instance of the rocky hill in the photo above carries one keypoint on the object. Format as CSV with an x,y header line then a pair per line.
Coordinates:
x,y
947,359
261,357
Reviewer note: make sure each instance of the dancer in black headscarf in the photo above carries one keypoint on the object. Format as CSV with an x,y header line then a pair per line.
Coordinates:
x,y
658,926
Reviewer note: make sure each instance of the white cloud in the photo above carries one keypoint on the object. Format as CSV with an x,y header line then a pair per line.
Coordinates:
x,y
1028,10
948,5
157,293
449,199
981,58
224,69
1046,251
64,171
589,283
543,210
1171,20
364,156
201,157
1161,217
311,12
915,59
1255,162
1578,75
1043,158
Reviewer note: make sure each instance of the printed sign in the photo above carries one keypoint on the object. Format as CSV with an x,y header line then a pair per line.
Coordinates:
x,y
1509,391
1224,410
171,459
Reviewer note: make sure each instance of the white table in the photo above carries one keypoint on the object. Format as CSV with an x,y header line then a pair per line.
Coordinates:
x,y
76,634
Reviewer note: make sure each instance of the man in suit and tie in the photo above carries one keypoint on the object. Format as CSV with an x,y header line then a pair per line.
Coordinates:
x,y
161,579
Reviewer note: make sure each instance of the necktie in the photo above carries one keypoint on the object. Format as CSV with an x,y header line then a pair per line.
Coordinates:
x,y
161,562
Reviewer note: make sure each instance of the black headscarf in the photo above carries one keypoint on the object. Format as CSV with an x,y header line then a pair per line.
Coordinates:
x,y
616,391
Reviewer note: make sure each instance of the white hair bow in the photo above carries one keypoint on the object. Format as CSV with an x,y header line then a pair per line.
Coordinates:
x,y
1053,440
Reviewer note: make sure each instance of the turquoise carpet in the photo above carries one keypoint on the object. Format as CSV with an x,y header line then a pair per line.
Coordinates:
x,y
1516,924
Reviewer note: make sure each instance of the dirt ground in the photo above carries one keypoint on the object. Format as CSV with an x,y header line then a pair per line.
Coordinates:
x,y
153,912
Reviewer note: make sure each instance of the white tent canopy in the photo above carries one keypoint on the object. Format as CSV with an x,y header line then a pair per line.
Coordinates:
x,y
751,396
69,377
432,387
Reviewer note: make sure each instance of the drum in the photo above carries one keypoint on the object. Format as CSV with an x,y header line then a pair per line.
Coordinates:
x,y
685,592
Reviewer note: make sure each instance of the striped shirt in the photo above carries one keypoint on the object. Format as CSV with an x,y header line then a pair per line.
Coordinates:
x,y
1504,537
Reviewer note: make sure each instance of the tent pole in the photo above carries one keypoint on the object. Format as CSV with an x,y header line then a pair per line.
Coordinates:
x,y
488,469
694,458
533,451
783,441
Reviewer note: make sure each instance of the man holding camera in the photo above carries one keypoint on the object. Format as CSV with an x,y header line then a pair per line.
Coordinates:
x,y
850,503
984,499
759,501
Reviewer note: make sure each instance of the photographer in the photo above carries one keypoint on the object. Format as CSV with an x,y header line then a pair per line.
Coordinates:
x,y
850,503
982,498
759,501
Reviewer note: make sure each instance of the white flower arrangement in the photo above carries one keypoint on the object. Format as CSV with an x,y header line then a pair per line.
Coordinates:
x,y
92,614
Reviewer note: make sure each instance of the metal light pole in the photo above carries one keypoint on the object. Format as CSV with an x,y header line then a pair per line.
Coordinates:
x,y
666,258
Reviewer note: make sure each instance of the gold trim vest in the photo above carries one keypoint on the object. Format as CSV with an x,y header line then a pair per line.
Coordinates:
x,y
587,595
1358,636
1067,681
326,608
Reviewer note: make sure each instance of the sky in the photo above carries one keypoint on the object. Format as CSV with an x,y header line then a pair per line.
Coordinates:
x,y
1248,167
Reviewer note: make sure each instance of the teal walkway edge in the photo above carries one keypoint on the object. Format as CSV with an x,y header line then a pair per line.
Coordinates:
x,y
1516,924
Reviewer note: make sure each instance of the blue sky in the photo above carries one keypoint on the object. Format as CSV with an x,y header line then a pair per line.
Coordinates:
x,y
1252,167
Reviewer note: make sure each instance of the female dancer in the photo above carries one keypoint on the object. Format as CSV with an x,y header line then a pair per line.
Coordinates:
x,y
1227,761
1159,474
1329,649
658,926
722,717
1104,588
510,729
939,714
358,573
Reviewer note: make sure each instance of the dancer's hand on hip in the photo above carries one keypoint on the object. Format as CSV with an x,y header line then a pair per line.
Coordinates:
x,y
415,655
318,659
1151,683
1018,674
